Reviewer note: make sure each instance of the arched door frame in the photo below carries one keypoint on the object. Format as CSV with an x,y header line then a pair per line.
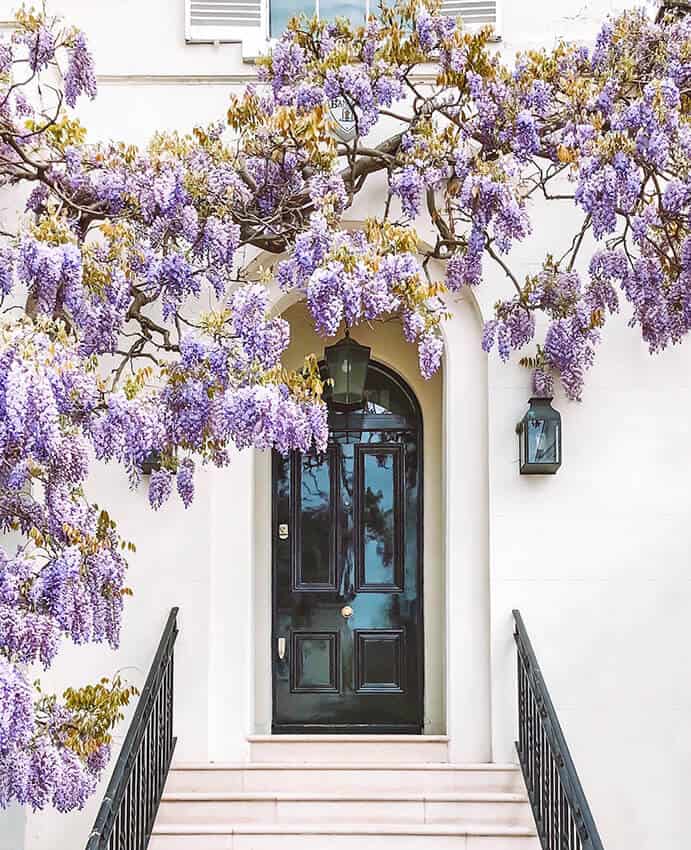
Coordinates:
x,y
466,555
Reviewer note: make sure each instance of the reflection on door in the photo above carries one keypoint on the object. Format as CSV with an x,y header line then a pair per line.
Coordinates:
x,y
347,594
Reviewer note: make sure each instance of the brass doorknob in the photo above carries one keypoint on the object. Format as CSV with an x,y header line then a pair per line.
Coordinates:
x,y
347,611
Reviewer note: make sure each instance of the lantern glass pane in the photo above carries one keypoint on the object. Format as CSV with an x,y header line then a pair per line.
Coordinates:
x,y
521,444
342,376
358,376
347,366
543,441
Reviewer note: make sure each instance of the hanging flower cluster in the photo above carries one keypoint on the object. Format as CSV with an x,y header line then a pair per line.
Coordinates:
x,y
66,579
351,276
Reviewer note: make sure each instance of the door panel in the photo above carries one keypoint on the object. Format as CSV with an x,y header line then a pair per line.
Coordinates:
x,y
379,513
314,508
315,663
353,518
380,661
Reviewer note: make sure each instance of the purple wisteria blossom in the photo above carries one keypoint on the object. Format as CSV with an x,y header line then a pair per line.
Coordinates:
x,y
80,77
358,279
138,325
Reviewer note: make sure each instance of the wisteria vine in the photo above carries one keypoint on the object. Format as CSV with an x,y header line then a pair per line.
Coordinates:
x,y
135,329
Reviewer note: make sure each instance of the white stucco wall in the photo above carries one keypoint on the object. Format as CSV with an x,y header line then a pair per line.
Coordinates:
x,y
597,557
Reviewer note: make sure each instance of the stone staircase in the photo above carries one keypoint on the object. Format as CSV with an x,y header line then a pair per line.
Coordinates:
x,y
327,792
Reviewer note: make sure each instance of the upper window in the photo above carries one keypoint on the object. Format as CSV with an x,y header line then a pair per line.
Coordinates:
x,y
211,20
473,12
253,21
283,10
384,395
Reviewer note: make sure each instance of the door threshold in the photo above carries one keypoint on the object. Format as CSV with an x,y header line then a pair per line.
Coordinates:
x,y
331,735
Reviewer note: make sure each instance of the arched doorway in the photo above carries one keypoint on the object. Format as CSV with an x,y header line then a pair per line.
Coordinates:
x,y
347,571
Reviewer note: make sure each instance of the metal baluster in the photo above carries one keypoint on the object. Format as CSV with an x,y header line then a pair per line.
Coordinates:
x,y
563,820
557,807
132,792
141,822
549,766
545,755
556,785
151,777
126,819
539,768
533,752
521,711
164,727
553,803
157,733
159,739
169,692
133,810
545,783
166,731
530,754
145,787
536,755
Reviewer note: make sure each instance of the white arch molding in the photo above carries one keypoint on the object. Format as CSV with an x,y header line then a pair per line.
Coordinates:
x,y
240,603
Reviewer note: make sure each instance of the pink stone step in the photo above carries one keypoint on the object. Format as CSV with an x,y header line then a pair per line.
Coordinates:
x,y
345,777
342,837
331,791
320,808
295,749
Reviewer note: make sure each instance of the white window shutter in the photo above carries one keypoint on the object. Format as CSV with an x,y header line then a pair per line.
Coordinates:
x,y
227,20
475,13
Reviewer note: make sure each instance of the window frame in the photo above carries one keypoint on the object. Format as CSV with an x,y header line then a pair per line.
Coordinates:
x,y
257,41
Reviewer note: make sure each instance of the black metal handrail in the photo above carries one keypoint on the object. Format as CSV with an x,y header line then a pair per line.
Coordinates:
x,y
562,814
128,810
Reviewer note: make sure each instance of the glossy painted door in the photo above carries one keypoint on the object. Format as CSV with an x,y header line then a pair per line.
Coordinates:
x,y
347,636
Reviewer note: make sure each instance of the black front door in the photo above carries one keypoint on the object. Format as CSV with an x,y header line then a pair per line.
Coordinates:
x,y
347,622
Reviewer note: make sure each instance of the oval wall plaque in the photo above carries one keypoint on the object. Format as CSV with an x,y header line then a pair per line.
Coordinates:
x,y
343,118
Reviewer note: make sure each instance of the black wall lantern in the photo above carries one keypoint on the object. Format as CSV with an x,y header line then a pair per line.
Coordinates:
x,y
539,438
347,362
